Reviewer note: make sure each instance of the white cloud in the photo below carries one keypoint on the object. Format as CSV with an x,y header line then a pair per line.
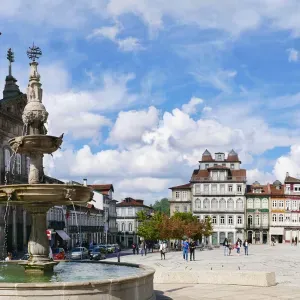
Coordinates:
x,y
127,44
293,55
260,176
191,107
131,125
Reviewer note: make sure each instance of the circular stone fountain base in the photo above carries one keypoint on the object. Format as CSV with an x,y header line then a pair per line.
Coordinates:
x,y
38,267
137,286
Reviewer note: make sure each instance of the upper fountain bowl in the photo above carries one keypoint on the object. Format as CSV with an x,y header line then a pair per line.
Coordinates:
x,y
36,143
47,195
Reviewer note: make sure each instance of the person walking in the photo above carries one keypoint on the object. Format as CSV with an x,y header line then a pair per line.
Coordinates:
x,y
185,246
229,247
133,248
238,246
226,246
246,245
192,250
162,250
142,248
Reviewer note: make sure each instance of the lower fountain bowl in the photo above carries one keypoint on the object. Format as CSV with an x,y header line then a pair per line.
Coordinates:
x,y
124,282
40,195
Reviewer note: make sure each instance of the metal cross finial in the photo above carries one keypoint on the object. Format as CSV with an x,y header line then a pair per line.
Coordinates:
x,y
34,52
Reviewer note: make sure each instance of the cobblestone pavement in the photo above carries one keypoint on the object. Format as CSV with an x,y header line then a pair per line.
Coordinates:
x,y
282,259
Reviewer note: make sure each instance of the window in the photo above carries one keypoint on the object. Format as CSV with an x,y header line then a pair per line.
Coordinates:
x,y
198,203
184,195
257,203
257,220
185,208
177,195
294,205
219,156
214,220
230,204
264,203
230,220
265,219
274,204
222,204
230,188
294,218
239,204
222,189
239,220
239,188
249,203
130,211
280,218
222,220
130,227
214,204
232,166
27,165
18,164
206,204
206,188
250,220
123,226
197,188
274,218
223,165
215,165
281,204
206,166
287,205
206,218
7,160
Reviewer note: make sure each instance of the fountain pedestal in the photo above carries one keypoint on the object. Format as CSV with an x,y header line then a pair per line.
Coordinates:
x,y
38,245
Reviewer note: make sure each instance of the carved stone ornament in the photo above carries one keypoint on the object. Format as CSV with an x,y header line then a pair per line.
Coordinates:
x,y
70,193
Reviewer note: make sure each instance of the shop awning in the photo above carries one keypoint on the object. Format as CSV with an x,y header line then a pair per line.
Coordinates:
x,y
62,234
276,230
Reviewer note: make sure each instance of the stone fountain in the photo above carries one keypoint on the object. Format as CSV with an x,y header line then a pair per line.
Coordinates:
x,y
35,196
67,280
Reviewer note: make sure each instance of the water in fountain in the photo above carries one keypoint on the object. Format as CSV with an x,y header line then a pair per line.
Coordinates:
x,y
5,225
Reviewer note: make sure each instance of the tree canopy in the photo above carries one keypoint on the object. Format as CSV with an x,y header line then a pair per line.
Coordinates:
x,y
159,226
162,206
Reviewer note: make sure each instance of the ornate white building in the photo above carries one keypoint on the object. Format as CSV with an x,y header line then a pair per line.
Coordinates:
x,y
218,189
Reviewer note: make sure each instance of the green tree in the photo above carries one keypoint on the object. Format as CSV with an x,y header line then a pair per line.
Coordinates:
x,y
162,206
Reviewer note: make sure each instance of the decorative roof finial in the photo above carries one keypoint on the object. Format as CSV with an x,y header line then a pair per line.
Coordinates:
x,y
34,53
11,59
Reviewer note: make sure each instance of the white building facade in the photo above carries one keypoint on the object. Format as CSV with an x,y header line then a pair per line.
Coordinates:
x,y
127,222
218,191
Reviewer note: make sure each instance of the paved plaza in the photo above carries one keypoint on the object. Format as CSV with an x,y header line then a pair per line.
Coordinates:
x,y
282,259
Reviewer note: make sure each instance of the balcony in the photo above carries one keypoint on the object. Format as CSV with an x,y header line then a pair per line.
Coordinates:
x,y
56,225
238,209
219,193
220,178
74,229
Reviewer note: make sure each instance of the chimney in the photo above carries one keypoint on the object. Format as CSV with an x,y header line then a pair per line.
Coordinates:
x,y
85,182
287,174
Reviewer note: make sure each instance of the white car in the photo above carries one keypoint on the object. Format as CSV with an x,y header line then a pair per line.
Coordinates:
x,y
79,253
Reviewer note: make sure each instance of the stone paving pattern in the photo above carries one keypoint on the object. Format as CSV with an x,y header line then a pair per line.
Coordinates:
x,y
283,259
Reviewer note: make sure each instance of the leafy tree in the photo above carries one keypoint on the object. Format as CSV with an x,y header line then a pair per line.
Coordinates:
x,y
162,206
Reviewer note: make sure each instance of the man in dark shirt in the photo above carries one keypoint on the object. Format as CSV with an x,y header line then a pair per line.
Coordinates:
x,y
192,250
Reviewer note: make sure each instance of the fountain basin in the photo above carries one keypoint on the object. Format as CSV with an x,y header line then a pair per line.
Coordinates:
x,y
36,143
124,281
35,195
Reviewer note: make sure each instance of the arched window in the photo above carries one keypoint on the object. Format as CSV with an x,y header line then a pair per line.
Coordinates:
x,y
222,220
123,226
214,220
230,204
250,220
274,218
280,218
130,227
257,203
250,203
206,204
239,204
27,165
18,164
264,203
239,220
198,204
222,204
7,160
265,219
214,204
257,220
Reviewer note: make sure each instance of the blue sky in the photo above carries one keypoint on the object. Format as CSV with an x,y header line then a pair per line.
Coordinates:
x,y
142,88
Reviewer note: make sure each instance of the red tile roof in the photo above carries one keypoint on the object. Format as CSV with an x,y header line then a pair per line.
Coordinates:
x,y
131,202
265,189
102,188
277,190
203,175
290,179
183,186
232,157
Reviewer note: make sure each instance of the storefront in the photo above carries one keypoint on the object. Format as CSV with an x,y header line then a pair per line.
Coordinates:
x,y
277,233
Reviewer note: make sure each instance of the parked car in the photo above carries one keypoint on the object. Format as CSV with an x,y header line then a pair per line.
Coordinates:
x,y
79,253
97,253
110,248
59,254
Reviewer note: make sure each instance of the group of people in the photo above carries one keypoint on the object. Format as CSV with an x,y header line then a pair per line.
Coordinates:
x,y
188,247
229,246
142,248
